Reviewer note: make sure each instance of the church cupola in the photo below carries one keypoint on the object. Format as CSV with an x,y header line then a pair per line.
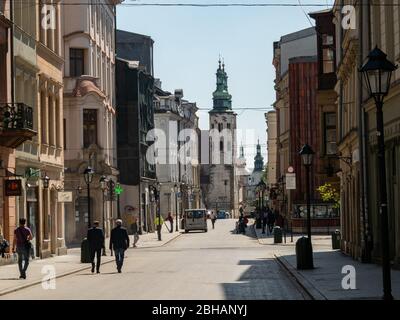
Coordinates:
x,y
221,97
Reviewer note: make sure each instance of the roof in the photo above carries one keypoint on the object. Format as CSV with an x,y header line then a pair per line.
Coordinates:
x,y
298,35
321,12
131,64
127,36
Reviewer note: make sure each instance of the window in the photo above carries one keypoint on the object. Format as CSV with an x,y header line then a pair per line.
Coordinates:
x,y
228,125
327,40
76,62
330,133
212,126
220,127
89,127
328,60
221,146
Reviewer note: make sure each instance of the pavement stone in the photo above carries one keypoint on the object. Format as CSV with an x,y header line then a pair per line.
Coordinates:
x,y
324,282
67,264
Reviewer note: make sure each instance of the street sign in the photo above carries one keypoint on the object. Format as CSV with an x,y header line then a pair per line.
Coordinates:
x,y
64,196
118,189
290,181
13,187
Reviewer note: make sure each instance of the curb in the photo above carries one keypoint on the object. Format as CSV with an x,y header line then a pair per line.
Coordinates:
x,y
305,284
67,273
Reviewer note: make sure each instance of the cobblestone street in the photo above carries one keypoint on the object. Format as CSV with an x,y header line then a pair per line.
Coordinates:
x,y
218,264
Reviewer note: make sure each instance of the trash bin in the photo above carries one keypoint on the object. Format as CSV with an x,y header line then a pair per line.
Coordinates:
x,y
85,251
336,240
277,234
304,254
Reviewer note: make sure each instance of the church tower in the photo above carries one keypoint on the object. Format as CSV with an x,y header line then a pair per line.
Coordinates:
x,y
258,159
222,189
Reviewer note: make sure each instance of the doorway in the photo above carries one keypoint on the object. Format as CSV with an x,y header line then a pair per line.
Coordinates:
x,y
33,217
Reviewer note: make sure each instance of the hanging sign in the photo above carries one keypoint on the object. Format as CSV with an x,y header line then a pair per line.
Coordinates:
x,y
13,187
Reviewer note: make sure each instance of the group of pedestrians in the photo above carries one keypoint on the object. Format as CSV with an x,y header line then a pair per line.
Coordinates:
x,y
270,218
119,242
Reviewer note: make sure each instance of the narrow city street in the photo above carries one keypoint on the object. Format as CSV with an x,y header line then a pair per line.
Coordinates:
x,y
218,264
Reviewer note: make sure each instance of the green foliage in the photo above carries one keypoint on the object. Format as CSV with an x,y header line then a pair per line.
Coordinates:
x,y
329,194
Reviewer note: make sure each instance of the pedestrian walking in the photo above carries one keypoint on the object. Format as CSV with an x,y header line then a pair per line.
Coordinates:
x,y
264,218
22,245
171,221
135,231
158,221
95,237
119,241
213,218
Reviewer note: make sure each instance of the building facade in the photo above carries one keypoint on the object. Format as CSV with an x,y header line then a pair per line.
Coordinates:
x,y
303,109
12,133
36,85
89,112
135,121
272,162
376,25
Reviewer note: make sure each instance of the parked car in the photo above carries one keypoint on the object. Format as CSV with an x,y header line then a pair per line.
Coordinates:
x,y
223,215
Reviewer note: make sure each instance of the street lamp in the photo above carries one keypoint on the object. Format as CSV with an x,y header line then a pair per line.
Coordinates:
x,y
262,187
377,72
176,189
88,175
156,191
103,187
46,181
307,154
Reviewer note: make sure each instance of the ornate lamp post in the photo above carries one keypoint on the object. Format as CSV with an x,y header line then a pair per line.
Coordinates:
x,y
157,199
46,181
307,154
88,175
176,190
103,187
377,72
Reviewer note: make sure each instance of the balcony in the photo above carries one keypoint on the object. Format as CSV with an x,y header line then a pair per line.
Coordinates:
x,y
16,124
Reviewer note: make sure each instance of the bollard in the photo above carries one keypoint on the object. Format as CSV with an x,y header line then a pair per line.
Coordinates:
x,y
304,255
85,251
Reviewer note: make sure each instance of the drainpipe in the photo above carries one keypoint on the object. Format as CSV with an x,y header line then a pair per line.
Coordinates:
x,y
12,51
362,138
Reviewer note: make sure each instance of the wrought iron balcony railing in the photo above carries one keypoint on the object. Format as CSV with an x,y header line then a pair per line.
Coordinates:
x,y
16,124
16,116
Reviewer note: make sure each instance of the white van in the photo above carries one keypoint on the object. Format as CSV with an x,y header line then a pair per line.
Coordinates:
x,y
195,219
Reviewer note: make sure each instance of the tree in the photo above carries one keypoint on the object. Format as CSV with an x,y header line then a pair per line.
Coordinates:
x,y
329,194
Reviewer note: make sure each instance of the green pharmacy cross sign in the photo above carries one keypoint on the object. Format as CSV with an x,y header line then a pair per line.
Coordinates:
x,y
118,189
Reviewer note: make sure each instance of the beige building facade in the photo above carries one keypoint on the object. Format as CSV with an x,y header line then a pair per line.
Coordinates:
x,y
89,113
38,67
376,25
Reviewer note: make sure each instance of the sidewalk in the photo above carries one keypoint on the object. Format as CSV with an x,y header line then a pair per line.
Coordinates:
x,y
324,282
68,264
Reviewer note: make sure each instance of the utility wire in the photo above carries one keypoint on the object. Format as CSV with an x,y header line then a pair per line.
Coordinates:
x,y
155,4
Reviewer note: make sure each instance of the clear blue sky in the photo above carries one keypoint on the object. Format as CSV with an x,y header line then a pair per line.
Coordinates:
x,y
188,41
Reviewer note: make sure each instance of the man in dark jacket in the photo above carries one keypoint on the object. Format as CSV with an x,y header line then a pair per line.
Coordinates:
x,y
95,237
119,241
